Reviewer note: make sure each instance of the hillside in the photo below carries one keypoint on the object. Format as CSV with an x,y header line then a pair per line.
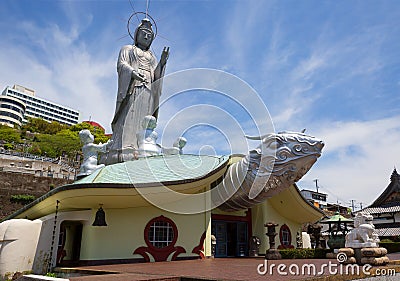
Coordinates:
x,y
12,183
37,157
30,178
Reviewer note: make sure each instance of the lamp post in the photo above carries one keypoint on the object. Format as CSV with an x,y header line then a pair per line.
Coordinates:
x,y
315,230
272,253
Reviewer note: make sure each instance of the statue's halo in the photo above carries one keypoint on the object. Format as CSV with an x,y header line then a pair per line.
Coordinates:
x,y
147,16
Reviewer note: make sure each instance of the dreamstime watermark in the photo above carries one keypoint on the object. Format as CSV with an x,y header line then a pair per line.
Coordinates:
x,y
329,268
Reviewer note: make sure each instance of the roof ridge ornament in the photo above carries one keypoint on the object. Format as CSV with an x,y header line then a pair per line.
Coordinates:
x,y
395,176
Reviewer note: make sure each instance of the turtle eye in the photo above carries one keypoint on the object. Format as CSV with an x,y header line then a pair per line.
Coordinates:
x,y
273,145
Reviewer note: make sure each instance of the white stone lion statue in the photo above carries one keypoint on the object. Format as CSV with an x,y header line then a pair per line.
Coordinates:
x,y
362,235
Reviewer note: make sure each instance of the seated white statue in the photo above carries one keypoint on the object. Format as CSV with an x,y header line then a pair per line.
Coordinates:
x,y
147,137
180,144
177,147
90,151
362,235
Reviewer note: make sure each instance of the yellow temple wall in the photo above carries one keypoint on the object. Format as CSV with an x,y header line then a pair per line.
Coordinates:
x,y
264,213
125,233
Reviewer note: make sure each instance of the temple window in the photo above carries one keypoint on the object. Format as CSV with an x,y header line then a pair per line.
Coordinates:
x,y
161,232
285,237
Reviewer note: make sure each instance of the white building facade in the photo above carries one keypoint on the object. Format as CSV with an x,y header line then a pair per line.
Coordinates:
x,y
12,111
40,108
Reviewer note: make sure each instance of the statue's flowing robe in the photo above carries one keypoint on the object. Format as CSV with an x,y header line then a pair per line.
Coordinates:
x,y
135,99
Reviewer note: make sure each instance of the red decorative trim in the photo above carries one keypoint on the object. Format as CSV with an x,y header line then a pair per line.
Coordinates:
x,y
160,254
61,253
290,246
230,218
249,223
199,249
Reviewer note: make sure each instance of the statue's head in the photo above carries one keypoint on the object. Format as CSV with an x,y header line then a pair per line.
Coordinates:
x,y
144,34
363,218
86,136
180,142
149,122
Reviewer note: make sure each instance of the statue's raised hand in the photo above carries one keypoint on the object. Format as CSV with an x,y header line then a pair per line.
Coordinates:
x,y
164,56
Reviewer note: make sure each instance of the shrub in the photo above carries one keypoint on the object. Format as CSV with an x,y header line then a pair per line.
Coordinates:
x,y
386,240
392,247
8,146
22,198
304,253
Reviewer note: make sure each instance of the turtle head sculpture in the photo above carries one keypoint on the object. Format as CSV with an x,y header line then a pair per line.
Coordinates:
x,y
279,161
288,153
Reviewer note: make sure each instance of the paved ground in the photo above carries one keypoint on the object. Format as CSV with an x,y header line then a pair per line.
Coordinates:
x,y
394,256
208,269
243,269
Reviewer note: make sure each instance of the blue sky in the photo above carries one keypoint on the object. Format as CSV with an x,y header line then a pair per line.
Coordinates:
x,y
332,67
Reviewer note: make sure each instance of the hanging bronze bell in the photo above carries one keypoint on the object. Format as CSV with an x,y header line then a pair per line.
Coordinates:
x,y
100,219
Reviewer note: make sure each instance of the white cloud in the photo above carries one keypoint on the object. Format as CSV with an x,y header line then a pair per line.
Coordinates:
x,y
358,158
329,66
65,70
308,67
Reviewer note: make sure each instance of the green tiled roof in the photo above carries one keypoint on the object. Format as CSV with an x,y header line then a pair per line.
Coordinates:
x,y
337,218
157,169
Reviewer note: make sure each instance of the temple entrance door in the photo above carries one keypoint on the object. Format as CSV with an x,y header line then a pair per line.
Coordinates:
x,y
232,238
69,243
219,230
241,239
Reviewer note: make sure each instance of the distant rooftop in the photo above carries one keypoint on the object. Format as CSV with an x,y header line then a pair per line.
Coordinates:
x,y
24,89
391,195
94,124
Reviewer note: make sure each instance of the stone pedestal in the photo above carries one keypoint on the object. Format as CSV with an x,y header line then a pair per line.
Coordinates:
x,y
272,254
361,256
349,256
373,256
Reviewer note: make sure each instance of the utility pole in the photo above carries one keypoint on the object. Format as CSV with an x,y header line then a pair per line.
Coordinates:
x,y
352,204
360,205
316,184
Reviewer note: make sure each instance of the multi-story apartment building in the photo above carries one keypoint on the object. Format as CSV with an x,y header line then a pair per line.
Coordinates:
x,y
316,198
40,108
12,111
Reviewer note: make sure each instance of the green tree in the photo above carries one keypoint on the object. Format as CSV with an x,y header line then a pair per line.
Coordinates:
x,y
69,142
35,149
9,135
54,145
49,139
97,132
38,125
